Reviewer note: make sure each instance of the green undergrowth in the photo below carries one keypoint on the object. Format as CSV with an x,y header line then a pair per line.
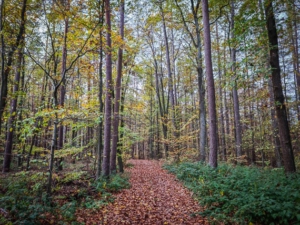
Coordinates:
x,y
242,195
23,198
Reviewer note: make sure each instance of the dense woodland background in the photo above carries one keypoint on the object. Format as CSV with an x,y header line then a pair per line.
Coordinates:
x,y
210,88
79,83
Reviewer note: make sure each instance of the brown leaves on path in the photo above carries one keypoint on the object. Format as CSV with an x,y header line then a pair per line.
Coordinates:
x,y
155,197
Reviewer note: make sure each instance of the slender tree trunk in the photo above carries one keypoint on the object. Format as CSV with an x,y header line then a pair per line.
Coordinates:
x,y
213,136
19,41
54,139
151,139
293,35
170,77
3,92
52,150
122,125
280,108
100,127
30,152
108,97
163,109
63,86
236,104
13,113
5,69
116,119
222,128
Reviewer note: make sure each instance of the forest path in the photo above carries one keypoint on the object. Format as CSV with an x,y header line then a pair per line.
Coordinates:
x,y
155,197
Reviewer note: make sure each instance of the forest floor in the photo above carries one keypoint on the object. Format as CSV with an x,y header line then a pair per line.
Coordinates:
x,y
155,197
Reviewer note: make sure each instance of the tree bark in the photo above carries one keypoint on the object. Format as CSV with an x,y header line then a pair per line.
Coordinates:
x,y
5,69
20,41
280,107
170,78
213,136
116,119
236,104
100,127
108,97
222,127
13,112
63,86
3,92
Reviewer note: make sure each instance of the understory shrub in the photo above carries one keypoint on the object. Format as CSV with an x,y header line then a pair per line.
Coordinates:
x,y
243,195
23,198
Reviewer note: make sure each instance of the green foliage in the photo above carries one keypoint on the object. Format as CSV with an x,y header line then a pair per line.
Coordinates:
x,y
238,194
23,196
68,210
68,152
72,176
115,183
105,187
91,203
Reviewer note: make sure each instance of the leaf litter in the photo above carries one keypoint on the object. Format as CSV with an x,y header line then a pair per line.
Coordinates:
x,y
155,197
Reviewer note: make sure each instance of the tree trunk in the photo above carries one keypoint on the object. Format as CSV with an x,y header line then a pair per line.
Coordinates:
x,y
3,92
170,77
236,104
213,136
52,150
275,133
63,86
280,108
13,113
100,127
116,119
293,36
5,70
108,97
222,127
120,145
20,41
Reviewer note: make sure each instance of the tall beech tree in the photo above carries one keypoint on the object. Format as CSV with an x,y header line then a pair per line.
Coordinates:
x,y
116,118
280,107
101,104
108,97
213,135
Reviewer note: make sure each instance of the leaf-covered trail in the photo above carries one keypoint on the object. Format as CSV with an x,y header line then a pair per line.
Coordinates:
x,y
155,197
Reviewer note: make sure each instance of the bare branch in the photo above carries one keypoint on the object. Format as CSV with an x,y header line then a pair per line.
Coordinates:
x,y
185,24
